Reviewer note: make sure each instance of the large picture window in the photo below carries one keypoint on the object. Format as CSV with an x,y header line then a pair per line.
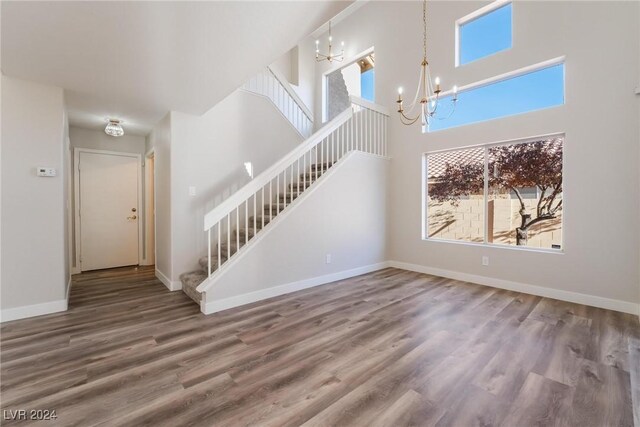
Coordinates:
x,y
507,194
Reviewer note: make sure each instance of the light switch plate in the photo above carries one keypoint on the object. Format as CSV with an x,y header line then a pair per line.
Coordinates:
x,y
44,171
192,191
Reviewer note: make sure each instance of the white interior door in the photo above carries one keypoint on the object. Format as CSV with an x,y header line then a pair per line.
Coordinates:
x,y
109,210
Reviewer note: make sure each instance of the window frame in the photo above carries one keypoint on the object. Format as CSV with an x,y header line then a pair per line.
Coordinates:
x,y
485,10
486,146
560,60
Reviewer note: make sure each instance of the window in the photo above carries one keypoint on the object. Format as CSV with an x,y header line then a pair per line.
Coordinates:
x,y
484,35
528,91
367,88
506,194
356,78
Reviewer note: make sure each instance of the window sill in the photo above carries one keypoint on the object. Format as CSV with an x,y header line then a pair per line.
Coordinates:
x,y
497,246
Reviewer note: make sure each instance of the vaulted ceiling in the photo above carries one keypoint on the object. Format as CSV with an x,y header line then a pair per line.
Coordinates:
x,y
138,60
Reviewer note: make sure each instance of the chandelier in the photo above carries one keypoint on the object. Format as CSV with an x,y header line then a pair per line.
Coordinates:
x,y
330,56
114,128
428,92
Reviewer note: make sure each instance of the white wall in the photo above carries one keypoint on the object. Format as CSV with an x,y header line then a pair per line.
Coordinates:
x,y
351,76
208,152
33,217
160,141
335,217
299,65
98,140
601,225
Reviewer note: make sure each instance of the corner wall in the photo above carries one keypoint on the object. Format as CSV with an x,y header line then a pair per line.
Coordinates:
x,y
208,153
159,140
34,276
601,226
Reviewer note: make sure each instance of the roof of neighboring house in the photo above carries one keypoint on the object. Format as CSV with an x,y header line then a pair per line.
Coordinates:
x,y
437,162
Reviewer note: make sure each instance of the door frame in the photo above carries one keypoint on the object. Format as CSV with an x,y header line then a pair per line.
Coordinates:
x,y
149,211
76,198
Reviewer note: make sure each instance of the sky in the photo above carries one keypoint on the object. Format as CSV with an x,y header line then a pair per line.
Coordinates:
x,y
367,86
539,89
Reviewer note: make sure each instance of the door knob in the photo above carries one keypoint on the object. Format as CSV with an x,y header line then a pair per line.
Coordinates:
x,y
133,209
132,217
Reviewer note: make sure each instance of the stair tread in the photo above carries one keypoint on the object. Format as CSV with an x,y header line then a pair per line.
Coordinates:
x,y
190,282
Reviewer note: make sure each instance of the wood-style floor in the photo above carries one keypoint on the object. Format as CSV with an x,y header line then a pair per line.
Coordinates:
x,y
390,348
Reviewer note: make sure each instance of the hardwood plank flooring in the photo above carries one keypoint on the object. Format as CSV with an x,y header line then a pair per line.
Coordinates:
x,y
389,348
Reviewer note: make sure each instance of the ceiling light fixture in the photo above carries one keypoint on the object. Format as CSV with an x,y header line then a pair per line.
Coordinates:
x,y
114,128
330,56
427,92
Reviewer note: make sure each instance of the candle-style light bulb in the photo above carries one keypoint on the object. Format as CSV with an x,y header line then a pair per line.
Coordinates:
x,y
400,90
330,38
437,80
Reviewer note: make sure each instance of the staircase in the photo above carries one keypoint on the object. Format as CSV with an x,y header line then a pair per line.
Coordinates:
x,y
233,225
242,236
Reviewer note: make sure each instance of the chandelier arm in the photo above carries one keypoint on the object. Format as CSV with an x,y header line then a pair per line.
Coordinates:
x,y
408,120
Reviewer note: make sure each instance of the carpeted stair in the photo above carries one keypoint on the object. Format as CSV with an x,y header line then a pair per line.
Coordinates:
x,y
192,279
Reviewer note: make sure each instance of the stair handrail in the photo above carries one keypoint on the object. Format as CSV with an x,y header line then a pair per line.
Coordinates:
x,y
219,212
292,92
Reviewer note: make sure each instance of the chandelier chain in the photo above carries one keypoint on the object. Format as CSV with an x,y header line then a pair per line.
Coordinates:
x,y
424,22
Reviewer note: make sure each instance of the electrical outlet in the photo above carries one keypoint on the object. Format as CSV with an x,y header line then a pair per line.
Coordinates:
x,y
485,260
328,259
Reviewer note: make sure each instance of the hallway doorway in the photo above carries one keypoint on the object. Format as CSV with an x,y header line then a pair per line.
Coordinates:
x,y
108,232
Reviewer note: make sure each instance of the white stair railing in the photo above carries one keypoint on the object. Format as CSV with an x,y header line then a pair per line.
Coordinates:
x,y
363,127
273,85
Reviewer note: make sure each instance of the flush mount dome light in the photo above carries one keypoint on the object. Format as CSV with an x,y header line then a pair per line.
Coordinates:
x,y
114,128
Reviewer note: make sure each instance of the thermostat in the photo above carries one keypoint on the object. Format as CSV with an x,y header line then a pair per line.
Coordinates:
x,y
42,171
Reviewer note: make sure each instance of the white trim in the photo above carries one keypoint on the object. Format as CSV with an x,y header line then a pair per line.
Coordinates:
x,y
473,16
574,297
292,92
509,75
344,13
236,301
76,197
172,286
369,105
149,213
68,289
33,310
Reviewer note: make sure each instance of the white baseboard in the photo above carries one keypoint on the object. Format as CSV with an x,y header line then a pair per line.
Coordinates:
x,y
172,286
25,311
236,301
575,297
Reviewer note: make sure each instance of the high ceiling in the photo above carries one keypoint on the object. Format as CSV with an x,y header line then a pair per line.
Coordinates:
x,y
137,60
